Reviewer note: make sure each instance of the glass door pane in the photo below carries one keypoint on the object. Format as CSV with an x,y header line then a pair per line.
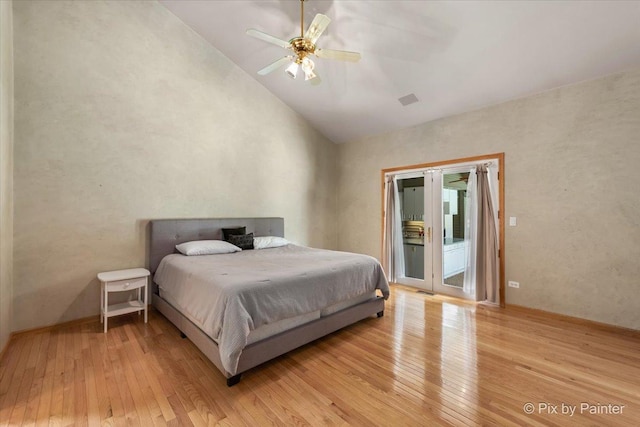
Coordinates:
x,y
452,211
412,196
454,188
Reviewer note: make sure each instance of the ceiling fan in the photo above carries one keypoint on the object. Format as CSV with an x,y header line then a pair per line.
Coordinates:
x,y
463,178
460,180
302,47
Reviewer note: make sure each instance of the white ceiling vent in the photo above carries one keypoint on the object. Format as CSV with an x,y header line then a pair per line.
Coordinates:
x,y
408,99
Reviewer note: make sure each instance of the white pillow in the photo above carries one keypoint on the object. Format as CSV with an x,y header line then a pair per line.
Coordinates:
x,y
207,247
269,242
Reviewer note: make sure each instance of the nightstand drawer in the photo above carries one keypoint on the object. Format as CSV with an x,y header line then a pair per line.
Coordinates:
x,y
126,285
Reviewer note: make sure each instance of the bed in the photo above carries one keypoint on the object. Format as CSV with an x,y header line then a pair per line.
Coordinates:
x,y
310,292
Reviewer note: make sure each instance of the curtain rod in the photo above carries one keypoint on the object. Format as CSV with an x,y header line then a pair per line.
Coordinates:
x,y
424,171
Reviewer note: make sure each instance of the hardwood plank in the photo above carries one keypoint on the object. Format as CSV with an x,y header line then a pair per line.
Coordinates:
x,y
129,414
171,364
226,400
68,401
17,415
15,394
8,381
145,402
182,417
39,363
103,401
44,406
56,405
151,378
91,396
196,419
80,416
110,402
206,407
137,395
428,361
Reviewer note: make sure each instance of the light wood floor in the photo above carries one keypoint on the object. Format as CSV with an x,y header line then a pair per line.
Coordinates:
x,y
429,360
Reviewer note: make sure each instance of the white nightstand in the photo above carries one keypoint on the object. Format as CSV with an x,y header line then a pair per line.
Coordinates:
x,y
118,281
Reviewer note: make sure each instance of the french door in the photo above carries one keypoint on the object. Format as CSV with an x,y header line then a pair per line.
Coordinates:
x,y
433,205
437,230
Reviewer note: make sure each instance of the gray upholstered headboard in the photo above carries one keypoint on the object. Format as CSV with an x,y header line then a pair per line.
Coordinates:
x,y
167,233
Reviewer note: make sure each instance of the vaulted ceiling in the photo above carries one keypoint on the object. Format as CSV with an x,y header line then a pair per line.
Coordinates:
x,y
455,56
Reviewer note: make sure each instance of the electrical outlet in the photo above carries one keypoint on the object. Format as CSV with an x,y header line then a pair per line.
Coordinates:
x,y
513,284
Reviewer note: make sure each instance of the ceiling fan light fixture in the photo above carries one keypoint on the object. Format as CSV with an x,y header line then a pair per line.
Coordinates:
x,y
309,75
307,67
292,70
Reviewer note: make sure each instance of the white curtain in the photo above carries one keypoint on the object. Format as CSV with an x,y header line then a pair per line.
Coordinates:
x,y
393,256
470,235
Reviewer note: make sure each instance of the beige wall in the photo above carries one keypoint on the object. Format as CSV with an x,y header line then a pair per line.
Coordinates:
x,y
124,114
572,179
6,170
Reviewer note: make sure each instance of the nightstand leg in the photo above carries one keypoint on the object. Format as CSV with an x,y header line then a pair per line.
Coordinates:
x,y
101,302
106,304
139,299
146,307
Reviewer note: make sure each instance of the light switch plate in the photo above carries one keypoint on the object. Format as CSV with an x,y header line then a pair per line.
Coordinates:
x,y
513,221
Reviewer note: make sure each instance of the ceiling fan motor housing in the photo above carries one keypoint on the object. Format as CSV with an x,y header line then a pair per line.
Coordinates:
x,y
302,47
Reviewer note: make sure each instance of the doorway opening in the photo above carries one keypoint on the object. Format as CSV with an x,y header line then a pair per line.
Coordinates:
x,y
444,231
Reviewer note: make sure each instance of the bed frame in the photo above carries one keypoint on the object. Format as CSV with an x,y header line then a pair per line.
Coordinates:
x,y
165,234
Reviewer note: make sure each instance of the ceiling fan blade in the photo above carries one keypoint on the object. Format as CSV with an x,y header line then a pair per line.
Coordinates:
x,y
464,179
317,27
275,65
341,55
268,38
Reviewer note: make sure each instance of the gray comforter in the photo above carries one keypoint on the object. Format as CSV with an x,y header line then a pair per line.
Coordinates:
x,y
229,295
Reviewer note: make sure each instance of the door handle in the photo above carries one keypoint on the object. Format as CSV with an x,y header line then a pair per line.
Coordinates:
x,y
429,235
